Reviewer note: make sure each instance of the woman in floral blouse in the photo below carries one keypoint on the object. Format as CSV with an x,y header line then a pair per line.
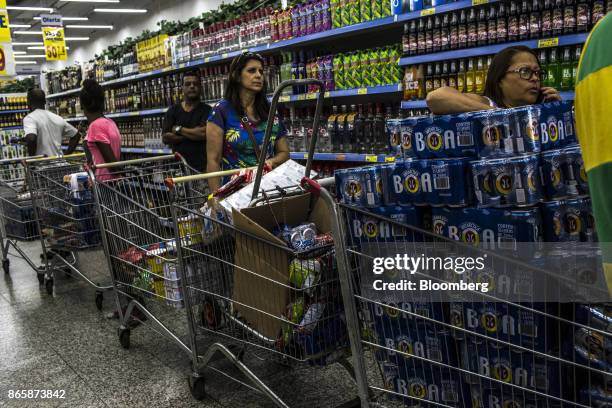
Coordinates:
x,y
228,143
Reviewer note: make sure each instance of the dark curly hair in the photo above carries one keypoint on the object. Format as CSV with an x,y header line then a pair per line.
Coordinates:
x,y
92,96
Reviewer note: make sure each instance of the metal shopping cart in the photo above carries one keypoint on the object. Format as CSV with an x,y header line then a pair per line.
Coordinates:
x,y
16,212
65,211
529,341
247,290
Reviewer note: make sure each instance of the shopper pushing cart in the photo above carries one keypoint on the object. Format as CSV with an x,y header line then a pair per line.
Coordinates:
x,y
66,214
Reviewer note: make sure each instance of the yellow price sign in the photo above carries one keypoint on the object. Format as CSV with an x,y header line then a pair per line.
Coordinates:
x,y
428,12
5,31
548,42
301,97
327,94
479,2
55,44
362,91
311,96
371,158
2,4
284,98
389,159
224,55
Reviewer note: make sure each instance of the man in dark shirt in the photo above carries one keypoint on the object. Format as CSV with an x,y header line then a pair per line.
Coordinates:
x,y
185,124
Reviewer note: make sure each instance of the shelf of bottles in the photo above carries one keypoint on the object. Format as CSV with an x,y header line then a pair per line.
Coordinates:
x,y
64,82
272,30
13,103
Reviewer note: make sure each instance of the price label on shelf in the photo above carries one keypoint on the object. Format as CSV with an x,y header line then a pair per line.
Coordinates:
x,y
311,96
362,91
305,156
340,157
389,159
284,98
301,97
224,55
134,113
206,59
479,2
548,42
428,12
371,158
327,94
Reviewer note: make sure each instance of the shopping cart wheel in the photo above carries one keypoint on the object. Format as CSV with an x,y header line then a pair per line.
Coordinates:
x,y
197,386
99,300
124,337
6,264
49,286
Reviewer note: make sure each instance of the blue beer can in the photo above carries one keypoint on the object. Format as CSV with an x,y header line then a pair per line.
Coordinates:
x,y
404,183
574,219
526,137
492,129
406,145
589,233
557,125
373,181
527,190
350,186
574,172
552,175
553,221
451,184
482,183
393,127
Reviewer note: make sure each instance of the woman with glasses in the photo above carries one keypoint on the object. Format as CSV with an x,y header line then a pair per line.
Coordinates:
x,y
514,79
236,125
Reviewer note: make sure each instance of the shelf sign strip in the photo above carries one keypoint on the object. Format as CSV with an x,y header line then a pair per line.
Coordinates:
x,y
548,42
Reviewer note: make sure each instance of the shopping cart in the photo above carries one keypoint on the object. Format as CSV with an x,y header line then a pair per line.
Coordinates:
x,y
16,212
508,347
66,215
248,290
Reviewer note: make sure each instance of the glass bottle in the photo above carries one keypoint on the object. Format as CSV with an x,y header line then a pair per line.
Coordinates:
x,y
462,33
546,24
492,26
481,27
513,22
524,21
454,32
535,20
469,77
502,24
461,74
569,17
566,70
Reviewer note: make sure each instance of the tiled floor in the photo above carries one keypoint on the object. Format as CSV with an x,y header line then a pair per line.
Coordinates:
x,y
62,342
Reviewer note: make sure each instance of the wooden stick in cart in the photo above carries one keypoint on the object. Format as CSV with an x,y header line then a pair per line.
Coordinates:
x,y
172,181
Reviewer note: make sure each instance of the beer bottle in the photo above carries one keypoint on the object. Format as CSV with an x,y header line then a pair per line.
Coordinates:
x,y
429,79
429,36
454,32
481,26
445,33
472,26
566,70
583,16
479,77
421,38
469,77
452,76
546,24
513,22
599,11
462,33
544,64
412,39
569,17
577,52
437,76
554,73
524,21
461,76
502,25
535,19
437,32
557,18
492,26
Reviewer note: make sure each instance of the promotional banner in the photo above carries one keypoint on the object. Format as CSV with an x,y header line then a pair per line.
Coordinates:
x,y
53,37
7,63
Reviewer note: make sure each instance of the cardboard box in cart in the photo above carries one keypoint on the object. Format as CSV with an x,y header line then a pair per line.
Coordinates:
x,y
264,289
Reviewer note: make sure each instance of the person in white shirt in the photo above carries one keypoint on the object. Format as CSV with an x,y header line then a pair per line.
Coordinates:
x,y
44,131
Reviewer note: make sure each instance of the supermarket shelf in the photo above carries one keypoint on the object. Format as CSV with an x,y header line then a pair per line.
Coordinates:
x,y
347,157
12,128
561,41
6,112
334,34
344,92
124,114
65,93
420,103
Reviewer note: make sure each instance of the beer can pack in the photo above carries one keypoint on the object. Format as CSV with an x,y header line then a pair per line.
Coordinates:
x,y
508,132
553,176
574,171
394,137
386,223
557,127
406,183
525,369
553,222
373,182
451,186
361,187
492,395
506,182
444,136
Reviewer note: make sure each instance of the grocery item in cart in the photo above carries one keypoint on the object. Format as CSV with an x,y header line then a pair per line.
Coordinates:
x,y
506,182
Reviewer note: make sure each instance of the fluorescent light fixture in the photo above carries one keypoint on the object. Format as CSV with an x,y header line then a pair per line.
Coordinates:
x,y
76,38
27,43
20,25
69,18
26,62
35,48
30,56
107,27
22,8
27,32
114,10
21,52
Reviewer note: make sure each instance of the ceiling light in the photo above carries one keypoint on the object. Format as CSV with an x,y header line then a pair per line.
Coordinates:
x,y
107,27
35,48
69,18
30,56
19,26
76,38
28,32
21,52
114,10
47,9
26,62
27,43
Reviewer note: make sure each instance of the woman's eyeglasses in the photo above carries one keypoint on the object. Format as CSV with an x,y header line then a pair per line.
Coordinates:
x,y
527,73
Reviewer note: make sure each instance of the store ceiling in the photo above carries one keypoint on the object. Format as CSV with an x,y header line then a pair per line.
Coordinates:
x,y
77,9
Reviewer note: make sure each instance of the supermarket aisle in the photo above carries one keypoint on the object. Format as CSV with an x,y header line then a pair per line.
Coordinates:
x,y
64,343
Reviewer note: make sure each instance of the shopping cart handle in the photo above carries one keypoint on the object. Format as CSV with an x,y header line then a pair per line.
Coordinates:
x,y
311,186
